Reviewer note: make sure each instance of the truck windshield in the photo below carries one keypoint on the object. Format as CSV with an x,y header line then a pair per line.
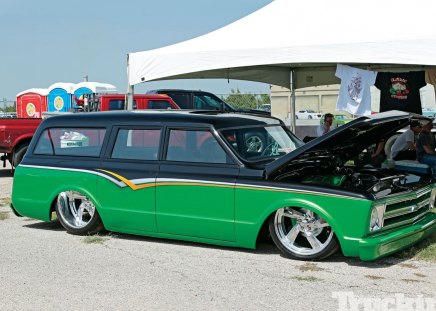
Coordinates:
x,y
207,102
259,143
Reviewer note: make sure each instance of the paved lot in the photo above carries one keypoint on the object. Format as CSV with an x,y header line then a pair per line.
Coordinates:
x,y
44,268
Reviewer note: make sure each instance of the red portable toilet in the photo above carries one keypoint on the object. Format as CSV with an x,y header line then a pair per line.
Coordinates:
x,y
32,103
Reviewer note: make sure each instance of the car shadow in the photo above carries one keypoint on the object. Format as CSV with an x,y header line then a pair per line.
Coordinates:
x,y
52,226
264,247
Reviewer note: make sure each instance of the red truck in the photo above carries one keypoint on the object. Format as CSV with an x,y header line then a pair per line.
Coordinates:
x,y
15,136
16,133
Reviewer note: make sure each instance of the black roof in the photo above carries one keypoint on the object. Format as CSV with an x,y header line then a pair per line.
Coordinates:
x,y
157,117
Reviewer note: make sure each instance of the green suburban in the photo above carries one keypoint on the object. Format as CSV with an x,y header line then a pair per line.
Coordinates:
x,y
224,179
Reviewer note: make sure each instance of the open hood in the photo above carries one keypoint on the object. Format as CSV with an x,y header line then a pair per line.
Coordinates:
x,y
346,141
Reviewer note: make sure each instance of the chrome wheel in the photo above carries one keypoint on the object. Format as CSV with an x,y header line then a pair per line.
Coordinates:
x,y
254,143
302,234
77,213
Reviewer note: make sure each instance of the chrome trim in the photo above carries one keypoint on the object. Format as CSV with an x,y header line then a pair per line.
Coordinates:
x,y
405,222
407,210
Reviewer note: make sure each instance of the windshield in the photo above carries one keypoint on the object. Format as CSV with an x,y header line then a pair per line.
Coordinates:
x,y
261,142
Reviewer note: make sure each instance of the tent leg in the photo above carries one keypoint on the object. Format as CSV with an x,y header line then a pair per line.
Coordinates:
x,y
130,92
292,118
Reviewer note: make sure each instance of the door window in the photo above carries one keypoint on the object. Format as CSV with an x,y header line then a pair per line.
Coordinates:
x,y
137,144
195,146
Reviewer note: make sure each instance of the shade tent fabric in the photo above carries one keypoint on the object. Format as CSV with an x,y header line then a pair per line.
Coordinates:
x,y
309,37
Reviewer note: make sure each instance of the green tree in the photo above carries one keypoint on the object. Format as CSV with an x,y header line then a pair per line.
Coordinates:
x,y
247,101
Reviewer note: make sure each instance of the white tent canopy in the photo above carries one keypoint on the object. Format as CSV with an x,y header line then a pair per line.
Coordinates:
x,y
308,37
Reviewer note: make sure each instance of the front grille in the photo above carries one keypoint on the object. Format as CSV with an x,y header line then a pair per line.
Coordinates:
x,y
407,209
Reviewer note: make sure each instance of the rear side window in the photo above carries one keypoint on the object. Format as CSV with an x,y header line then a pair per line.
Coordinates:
x,y
80,142
137,144
159,104
182,100
118,104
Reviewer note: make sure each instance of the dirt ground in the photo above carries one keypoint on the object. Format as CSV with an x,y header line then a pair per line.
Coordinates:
x,y
44,268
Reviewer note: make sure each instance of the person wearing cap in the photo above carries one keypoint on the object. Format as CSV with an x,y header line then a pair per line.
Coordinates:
x,y
425,147
404,146
326,126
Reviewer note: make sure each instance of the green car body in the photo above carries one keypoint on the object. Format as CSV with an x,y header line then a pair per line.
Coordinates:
x,y
225,197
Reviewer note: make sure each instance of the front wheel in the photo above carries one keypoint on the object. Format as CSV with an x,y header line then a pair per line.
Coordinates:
x,y
77,213
302,234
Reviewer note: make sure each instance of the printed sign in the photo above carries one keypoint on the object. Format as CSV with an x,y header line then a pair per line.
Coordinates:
x,y
30,109
58,103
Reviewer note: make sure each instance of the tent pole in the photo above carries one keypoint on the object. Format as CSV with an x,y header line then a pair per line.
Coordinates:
x,y
130,90
292,125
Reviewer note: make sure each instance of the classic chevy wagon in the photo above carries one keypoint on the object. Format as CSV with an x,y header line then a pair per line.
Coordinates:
x,y
220,178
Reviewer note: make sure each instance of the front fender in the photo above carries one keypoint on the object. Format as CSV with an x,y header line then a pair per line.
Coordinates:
x,y
346,215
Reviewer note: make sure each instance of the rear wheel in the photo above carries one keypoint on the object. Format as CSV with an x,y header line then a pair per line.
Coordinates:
x,y
302,234
77,213
19,154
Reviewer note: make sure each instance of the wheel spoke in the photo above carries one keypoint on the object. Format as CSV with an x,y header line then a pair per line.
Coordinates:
x,y
313,241
293,233
79,216
291,213
319,224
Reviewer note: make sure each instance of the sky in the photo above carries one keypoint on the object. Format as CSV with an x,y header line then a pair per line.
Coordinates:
x,y
48,41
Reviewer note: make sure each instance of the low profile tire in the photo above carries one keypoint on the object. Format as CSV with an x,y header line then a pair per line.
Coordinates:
x,y
77,213
301,234
19,154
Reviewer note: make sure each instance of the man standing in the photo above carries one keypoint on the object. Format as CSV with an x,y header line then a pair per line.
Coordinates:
x,y
425,147
326,126
404,146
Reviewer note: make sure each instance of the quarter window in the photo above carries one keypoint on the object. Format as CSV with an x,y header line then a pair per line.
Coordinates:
x,y
80,142
195,146
137,144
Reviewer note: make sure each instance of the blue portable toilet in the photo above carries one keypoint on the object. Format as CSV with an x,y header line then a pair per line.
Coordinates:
x,y
59,97
89,88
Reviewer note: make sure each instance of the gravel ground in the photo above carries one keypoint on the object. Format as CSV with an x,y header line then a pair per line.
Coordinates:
x,y
44,268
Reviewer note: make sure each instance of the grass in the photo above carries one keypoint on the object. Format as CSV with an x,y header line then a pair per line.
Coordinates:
x,y
94,239
4,215
307,278
425,250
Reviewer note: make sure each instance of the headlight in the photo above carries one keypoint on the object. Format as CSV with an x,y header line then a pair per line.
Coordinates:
x,y
432,198
376,220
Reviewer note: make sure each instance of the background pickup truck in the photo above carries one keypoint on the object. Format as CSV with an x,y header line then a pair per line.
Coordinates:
x,y
308,114
16,133
15,136
201,100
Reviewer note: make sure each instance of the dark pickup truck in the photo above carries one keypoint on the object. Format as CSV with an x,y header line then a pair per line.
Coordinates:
x,y
201,100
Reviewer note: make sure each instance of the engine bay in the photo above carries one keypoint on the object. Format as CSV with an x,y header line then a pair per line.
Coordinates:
x,y
330,171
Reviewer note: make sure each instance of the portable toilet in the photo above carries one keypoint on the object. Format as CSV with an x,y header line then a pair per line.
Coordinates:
x,y
32,103
85,90
59,97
